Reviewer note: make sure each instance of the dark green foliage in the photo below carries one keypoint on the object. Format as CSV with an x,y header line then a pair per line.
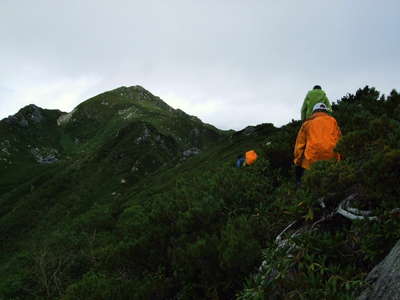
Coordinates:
x,y
202,232
279,147
125,215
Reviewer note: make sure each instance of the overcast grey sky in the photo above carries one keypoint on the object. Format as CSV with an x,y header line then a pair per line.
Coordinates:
x,y
232,63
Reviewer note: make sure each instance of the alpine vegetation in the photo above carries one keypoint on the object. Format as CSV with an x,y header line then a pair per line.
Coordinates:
x,y
128,198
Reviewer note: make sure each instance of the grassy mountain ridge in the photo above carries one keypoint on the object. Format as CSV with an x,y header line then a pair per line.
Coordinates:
x,y
102,116
132,217
39,135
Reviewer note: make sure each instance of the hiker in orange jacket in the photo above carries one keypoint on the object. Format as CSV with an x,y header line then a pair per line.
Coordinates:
x,y
316,140
247,159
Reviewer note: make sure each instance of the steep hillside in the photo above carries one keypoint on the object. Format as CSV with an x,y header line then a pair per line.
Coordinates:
x,y
160,136
52,161
101,117
30,141
150,206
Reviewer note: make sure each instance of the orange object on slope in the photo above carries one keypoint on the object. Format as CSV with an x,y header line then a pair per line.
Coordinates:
x,y
251,157
316,140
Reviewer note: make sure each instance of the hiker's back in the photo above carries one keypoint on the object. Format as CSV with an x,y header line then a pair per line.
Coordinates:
x,y
322,135
322,132
251,157
316,95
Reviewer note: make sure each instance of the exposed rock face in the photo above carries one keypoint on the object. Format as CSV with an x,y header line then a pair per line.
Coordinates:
x,y
5,151
45,156
129,113
191,152
30,113
138,93
64,119
384,279
146,135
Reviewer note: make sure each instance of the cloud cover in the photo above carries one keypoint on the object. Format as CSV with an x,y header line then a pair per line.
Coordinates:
x,y
232,63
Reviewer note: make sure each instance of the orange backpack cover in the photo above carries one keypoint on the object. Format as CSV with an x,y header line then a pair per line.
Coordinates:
x,y
251,157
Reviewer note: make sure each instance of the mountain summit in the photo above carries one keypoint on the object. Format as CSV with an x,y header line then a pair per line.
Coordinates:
x,y
139,130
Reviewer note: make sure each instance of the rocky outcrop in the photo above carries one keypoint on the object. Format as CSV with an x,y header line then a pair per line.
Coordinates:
x,y
28,114
191,152
45,156
64,119
249,130
139,94
384,279
35,114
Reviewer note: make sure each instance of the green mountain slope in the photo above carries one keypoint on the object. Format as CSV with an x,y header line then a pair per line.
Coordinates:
x,y
103,116
144,202
28,137
35,135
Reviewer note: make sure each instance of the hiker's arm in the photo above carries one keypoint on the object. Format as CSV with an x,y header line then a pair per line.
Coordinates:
x,y
338,136
327,103
300,146
304,108
338,132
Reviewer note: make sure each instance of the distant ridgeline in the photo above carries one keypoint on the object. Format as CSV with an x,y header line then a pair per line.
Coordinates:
x,y
128,198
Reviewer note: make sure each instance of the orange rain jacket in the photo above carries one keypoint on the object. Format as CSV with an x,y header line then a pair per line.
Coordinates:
x,y
316,140
251,157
